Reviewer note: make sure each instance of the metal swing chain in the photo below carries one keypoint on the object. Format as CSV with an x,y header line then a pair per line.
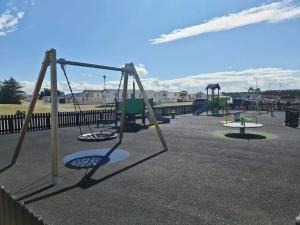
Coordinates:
x,y
117,94
118,90
75,102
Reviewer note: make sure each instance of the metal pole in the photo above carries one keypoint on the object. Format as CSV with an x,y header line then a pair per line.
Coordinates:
x,y
54,118
133,89
104,91
123,112
32,105
207,100
149,107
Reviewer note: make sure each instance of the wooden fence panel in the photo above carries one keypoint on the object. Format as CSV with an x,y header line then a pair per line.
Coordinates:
x,y
13,212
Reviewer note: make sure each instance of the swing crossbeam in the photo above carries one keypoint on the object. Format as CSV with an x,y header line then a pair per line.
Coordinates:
x,y
90,65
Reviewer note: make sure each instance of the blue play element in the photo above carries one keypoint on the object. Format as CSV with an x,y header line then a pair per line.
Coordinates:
x,y
94,158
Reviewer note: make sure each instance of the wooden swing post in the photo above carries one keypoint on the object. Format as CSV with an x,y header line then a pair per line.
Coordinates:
x,y
35,96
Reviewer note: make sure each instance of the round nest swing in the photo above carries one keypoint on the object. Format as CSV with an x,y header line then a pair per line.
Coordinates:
x,y
99,136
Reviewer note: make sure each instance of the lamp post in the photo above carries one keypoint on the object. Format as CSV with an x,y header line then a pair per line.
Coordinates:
x,y
104,92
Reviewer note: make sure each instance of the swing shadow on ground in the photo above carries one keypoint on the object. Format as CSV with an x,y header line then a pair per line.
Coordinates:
x,y
86,181
6,167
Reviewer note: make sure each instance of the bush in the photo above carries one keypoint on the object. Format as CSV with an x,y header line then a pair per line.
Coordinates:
x,y
20,113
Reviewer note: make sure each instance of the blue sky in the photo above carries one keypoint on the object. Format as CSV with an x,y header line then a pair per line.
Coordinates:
x,y
176,45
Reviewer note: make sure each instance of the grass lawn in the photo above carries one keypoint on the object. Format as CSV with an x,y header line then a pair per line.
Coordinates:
x,y
174,103
44,107
41,107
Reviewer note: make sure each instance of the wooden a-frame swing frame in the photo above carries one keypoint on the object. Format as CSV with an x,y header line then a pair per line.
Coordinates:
x,y
50,60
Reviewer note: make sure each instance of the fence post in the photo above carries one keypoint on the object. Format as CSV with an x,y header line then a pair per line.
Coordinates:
x,y
2,219
286,117
5,208
12,209
10,124
48,124
77,119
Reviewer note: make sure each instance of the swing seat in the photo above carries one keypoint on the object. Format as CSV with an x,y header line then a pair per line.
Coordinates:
x,y
99,136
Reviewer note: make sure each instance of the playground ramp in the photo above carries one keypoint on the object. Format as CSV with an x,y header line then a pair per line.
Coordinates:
x,y
203,108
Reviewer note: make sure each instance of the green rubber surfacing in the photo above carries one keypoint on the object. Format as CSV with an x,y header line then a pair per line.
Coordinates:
x,y
250,135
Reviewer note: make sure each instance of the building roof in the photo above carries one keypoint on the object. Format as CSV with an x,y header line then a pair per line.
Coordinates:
x,y
213,86
92,90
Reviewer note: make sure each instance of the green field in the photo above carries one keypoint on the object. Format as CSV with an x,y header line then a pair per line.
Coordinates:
x,y
41,107
44,107
174,103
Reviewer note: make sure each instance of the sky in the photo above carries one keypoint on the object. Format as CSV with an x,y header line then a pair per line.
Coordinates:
x,y
176,45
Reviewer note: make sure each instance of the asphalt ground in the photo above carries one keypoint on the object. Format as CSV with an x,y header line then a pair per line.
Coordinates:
x,y
201,179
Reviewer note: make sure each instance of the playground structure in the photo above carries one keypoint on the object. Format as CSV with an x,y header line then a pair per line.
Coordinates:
x,y
237,116
253,99
213,103
242,125
51,60
135,108
106,132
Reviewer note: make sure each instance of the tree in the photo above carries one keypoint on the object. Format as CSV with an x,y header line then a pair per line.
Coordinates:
x,y
47,92
10,92
60,93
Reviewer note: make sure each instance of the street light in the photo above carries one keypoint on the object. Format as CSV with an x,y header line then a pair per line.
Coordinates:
x,y
104,91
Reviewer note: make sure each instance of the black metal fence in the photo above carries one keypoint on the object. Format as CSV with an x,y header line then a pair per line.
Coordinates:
x,y
292,117
178,109
263,106
42,121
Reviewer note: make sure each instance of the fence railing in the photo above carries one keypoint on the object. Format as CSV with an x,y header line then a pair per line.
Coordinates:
x,y
42,121
265,107
178,109
292,117
13,212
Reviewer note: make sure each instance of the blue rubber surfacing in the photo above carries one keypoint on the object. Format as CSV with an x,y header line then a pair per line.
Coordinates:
x,y
93,158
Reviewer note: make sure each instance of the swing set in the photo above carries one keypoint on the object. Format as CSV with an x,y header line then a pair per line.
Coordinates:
x,y
105,133
51,61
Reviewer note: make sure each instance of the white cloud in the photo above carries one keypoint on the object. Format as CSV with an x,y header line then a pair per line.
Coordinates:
x,y
232,80
270,13
9,21
229,81
141,69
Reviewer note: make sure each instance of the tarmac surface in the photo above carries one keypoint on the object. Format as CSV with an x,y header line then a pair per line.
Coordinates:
x,y
201,179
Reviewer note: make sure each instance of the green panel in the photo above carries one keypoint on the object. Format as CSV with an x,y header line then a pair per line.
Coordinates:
x,y
215,111
222,102
136,106
105,122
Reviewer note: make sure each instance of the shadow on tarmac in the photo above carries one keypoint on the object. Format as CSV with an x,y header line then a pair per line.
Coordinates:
x,y
86,182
